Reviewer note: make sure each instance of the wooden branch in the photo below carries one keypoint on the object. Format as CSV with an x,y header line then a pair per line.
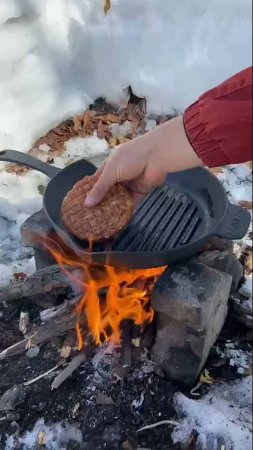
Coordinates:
x,y
67,372
41,282
41,334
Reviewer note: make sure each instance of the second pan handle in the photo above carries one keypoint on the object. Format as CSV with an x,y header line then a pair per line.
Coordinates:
x,y
24,159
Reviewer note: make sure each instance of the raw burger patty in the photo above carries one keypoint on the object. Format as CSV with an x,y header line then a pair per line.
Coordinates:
x,y
101,222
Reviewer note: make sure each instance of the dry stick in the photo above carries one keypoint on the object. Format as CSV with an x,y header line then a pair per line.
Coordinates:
x,y
41,334
43,281
157,424
73,365
42,375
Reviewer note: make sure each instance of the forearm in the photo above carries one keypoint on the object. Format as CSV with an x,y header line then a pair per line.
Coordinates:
x,y
172,146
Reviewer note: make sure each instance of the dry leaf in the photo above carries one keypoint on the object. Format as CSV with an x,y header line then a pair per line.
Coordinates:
x,y
136,342
101,130
65,351
113,141
122,140
216,170
17,169
41,439
249,164
24,322
76,124
206,378
248,263
107,6
246,204
113,118
135,127
20,276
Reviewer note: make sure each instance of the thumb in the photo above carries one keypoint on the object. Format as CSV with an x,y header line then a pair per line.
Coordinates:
x,y
106,180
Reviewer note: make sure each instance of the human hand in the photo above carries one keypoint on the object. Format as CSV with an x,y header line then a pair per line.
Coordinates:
x,y
144,162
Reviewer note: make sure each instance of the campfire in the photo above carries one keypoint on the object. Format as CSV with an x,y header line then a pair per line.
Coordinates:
x,y
109,296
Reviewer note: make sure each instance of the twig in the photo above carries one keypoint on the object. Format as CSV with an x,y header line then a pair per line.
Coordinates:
x,y
27,383
157,424
73,365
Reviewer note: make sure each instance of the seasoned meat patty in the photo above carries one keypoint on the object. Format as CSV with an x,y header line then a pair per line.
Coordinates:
x,y
101,222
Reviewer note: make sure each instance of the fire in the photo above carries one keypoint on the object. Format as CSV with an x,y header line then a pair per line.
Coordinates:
x,y
109,296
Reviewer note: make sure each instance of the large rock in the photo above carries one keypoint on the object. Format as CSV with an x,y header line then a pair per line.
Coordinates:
x,y
190,303
224,261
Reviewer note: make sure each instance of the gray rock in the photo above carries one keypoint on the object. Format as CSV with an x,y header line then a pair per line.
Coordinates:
x,y
12,398
216,243
191,306
32,352
236,271
224,261
219,260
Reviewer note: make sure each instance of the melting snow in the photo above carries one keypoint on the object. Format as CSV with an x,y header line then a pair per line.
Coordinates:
x,y
50,437
225,412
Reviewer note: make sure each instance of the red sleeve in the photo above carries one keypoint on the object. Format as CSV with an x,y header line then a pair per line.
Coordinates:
x,y
219,124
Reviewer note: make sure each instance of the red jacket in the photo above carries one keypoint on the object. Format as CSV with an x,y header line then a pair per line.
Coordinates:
x,y
219,124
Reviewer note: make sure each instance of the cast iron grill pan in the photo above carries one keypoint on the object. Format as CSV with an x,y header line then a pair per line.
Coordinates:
x,y
164,220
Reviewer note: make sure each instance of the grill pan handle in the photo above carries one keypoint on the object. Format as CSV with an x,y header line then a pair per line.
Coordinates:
x,y
235,223
24,159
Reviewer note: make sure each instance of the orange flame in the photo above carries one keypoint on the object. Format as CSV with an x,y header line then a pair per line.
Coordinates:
x,y
125,295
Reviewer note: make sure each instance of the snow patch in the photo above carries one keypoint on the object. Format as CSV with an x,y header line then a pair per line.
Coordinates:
x,y
58,56
79,147
55,437
225,412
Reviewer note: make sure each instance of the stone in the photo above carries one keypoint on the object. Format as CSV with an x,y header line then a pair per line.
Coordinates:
x,y
216,243
12,398
224,261
190,304
219,260
32,352
236,271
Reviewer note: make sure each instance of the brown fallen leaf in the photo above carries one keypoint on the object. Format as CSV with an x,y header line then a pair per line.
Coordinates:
x,y
20,276
136,123
248,263
122,140
246,204
17,169
101,129
216,170
113,118
103,132
107,6
113,141
76,124
250,164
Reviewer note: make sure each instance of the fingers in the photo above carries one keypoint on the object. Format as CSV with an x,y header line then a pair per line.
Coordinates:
x,y
105,181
